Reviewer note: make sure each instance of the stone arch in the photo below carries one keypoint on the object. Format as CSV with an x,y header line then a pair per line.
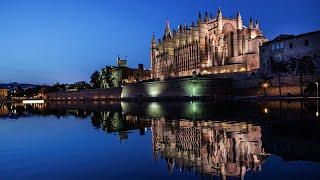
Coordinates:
x,y
227,27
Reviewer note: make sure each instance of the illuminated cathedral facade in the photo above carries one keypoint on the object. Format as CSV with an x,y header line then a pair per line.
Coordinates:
x,y
212,45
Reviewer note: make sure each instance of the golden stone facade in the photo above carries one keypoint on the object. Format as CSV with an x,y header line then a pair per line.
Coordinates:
x,y
213,45
4,93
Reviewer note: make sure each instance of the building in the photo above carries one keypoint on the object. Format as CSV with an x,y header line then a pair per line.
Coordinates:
x,y
4,110
4,93
121,74
290,47
212,45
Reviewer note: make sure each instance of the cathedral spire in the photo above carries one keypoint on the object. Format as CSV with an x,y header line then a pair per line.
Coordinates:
x,y
199,17
239,21
238,15
167,32
219,13
219,17
256,25
153,41
250,23
206,17
153,38
179,28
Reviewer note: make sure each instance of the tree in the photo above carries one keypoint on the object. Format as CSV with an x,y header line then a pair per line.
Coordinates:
x,y
279,67
311,89
96,120
81,85
95,80
106,78
58,87
30,92
305,65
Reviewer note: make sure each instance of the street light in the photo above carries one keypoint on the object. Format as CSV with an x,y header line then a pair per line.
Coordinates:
x,y
317,113
317,89
265,86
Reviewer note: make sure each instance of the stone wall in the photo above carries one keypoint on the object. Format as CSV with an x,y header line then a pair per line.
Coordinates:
x,y
249,86
182,88
96,94
188,87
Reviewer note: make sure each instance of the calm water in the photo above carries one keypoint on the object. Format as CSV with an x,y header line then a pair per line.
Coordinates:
x,y
188,140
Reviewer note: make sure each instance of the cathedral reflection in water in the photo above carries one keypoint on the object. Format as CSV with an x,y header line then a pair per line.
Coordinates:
x,y
208,147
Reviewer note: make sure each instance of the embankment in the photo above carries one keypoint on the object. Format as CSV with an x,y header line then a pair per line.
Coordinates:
x,y
172,89
191,88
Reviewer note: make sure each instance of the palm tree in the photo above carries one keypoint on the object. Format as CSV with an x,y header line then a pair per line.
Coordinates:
x,y
279,67
305,66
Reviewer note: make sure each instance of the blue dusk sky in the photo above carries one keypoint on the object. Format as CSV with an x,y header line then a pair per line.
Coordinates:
x,y
48,41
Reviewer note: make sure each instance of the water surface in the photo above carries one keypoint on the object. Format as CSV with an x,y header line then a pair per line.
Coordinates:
x,y
144,140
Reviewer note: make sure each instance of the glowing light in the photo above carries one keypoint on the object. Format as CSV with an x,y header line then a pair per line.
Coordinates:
x,y
193,110
243,69
155,109
205,72
223,71
266,111
154,90
33,101
317,114
265,85
193,88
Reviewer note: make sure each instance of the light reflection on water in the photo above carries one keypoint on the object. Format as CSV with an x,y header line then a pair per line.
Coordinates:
x,y
139,140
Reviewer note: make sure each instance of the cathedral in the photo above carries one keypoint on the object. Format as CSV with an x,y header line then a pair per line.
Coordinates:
x,y
212,45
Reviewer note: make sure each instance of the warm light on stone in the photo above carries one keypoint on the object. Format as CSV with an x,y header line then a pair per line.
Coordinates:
x,y
225,43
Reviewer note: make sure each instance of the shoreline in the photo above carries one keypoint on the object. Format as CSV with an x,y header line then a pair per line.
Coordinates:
x,y
201,99
181,99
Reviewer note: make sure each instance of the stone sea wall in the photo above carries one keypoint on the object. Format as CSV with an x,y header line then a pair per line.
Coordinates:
x,y
182,88
191,88
290,85
94,94
179,88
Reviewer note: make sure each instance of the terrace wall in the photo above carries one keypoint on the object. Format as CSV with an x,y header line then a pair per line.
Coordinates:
x,y
191,88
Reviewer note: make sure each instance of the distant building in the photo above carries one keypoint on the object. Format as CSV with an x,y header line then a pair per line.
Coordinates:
x,y
4,93
4,110
287,47
210,46
121,74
